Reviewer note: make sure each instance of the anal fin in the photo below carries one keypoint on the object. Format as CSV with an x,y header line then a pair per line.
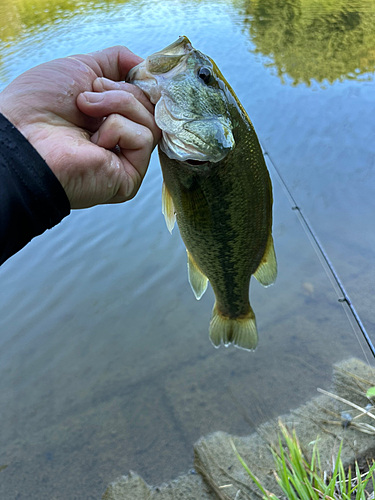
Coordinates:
x,y
198,281
167,208
267,269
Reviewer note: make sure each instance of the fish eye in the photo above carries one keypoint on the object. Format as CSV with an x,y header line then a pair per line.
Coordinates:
x,y
205,74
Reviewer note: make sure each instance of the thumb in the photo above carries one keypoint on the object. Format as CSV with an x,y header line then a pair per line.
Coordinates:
x,y
113,63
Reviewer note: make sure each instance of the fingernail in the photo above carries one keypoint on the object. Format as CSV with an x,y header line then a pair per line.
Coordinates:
x,y
95,137
94,96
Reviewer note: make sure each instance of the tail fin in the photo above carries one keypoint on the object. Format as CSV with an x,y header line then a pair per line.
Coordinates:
x,y
242,332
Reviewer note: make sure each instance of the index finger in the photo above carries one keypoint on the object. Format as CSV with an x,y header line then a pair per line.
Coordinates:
x,y
113,63
103,84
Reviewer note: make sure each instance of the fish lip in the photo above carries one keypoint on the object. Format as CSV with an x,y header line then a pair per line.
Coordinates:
x,y
143,79
139,73
151,83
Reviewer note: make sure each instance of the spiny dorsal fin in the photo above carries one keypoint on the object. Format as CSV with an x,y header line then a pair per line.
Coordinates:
x,y
198,281
267,269
167,208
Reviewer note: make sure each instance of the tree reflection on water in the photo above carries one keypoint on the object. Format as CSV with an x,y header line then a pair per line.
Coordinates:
x,y
304,40
313,39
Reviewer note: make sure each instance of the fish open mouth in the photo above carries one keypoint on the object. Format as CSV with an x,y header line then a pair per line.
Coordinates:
x,y
196,162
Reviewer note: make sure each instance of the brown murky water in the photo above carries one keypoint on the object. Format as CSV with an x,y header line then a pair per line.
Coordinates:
x,y
105,361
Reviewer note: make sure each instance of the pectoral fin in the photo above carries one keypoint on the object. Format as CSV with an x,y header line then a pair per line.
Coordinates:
x,y
267,269
198,281
167,208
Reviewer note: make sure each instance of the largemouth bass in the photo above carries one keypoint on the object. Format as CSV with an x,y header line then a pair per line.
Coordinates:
x,y
216,184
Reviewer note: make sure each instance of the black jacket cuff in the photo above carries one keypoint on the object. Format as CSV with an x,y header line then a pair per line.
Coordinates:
x,y
31,197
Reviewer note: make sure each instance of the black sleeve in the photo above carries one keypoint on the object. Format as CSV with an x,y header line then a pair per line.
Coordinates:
x,y
31,198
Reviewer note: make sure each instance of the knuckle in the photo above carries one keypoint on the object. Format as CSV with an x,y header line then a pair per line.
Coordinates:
x,y
98,85
113,125
147,138
127,98
132,186
112,121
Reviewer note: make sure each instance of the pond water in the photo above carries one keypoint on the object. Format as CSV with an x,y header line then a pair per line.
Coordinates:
x,y
105,361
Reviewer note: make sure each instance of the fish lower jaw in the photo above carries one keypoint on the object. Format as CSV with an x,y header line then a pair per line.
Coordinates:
x,y
180,152
140,77
193,165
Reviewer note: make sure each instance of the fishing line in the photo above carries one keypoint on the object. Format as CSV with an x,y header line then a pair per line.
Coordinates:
x,y
327,264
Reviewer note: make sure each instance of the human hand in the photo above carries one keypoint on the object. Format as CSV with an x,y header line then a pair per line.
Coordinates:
x,y
95,133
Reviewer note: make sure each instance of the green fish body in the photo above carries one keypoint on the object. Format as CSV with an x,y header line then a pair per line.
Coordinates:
x,y
216,184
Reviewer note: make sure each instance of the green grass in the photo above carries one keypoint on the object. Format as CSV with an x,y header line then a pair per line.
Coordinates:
x,y
300,478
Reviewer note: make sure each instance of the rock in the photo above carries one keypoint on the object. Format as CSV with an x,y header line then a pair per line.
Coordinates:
x,y
128,487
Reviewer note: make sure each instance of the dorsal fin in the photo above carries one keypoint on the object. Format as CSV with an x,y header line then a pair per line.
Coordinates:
x,y
198,281
167,208
267,269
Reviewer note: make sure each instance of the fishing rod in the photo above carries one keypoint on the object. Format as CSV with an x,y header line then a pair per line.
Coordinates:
x,y
344,298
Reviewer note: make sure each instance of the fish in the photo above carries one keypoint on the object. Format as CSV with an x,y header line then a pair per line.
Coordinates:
x,y
215,184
